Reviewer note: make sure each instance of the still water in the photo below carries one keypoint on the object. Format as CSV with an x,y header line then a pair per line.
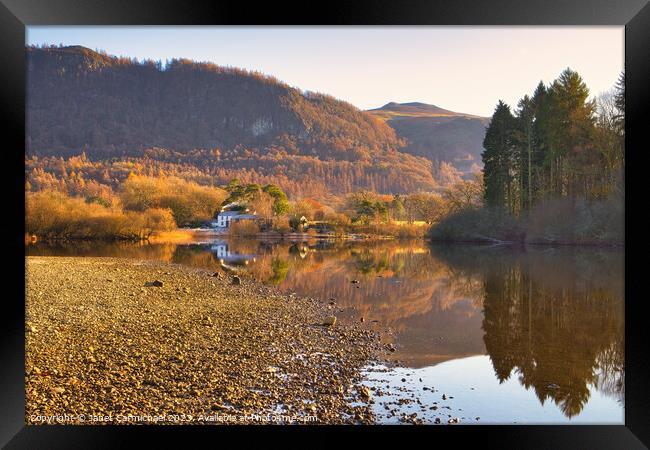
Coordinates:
x,y
507,335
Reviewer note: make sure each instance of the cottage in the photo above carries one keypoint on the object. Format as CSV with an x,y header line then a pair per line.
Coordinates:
x,y
225,217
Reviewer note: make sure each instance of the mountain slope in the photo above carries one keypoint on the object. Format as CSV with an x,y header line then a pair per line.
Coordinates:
x,y
437,134
223,120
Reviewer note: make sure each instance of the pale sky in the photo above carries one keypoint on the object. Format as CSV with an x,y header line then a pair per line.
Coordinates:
x,y
464,69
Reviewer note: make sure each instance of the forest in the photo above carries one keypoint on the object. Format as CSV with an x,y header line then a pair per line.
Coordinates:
x,y
224,121
553,169
63,195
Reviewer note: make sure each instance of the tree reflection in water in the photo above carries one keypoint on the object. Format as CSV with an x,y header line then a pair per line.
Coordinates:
x,y
554,319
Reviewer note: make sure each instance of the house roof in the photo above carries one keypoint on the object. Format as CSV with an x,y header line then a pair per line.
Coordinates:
x,y
229,213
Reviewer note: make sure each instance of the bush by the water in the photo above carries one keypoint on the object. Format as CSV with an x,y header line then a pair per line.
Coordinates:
x,y
579,222
477,225
559,221
54,215
244,228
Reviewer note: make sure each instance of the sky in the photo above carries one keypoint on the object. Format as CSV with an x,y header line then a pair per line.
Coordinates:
x,y
463,69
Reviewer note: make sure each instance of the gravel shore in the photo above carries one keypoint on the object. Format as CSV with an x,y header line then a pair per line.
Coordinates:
x,y
105,344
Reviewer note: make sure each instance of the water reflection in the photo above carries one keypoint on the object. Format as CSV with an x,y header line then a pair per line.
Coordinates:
x,y
551,319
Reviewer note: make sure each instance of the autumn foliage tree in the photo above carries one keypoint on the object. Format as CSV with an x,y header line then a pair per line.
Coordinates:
x,y
189,202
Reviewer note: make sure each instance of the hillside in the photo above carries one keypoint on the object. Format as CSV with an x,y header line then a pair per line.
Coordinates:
x,y
437,134
227,122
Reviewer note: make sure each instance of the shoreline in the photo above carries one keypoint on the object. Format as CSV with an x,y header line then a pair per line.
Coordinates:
x,y
192,236
103,340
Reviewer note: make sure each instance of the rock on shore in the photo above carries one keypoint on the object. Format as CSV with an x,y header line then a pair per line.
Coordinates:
x,y
102,339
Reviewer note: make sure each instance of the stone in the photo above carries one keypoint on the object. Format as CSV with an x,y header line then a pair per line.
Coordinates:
x,y
329,321
354,281
236,280
155,283
365,392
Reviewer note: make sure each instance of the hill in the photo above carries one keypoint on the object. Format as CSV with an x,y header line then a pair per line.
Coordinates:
x,y
437,134
227,122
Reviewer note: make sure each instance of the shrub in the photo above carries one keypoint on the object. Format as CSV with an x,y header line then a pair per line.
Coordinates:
x,y
557,221
478,225
54,215
189,202
281,224
563,221
244,228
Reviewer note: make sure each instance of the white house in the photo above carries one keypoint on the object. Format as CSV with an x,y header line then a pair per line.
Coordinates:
x,y
225,217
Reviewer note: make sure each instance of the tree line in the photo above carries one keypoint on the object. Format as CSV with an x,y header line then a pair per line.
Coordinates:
x,y
556,144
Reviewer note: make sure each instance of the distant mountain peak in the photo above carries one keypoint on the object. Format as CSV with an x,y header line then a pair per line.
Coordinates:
x,y
416,104
437,134
414,109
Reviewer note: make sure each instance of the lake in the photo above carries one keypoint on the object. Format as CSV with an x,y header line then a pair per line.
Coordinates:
x,y
482,334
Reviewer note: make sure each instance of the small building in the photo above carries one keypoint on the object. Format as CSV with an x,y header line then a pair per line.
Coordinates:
x,y
225,217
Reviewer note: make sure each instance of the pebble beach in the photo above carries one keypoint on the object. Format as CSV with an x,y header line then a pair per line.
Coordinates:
x,y
111,340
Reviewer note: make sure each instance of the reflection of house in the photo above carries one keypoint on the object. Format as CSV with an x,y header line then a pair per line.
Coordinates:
x,y
225,255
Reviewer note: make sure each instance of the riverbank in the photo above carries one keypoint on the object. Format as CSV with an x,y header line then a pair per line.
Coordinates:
x,y
194,233
111,338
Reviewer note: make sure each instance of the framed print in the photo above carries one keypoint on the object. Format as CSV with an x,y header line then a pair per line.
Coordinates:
x,y
363,218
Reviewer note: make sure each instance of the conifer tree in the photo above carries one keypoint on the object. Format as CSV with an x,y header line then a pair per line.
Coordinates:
x,y
498,157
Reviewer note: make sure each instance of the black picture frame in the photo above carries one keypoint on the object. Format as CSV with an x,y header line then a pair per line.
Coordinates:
x,y
16,15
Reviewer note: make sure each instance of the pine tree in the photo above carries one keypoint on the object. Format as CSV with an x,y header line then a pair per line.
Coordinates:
x,y
524,142
619,119
498,157
540,139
